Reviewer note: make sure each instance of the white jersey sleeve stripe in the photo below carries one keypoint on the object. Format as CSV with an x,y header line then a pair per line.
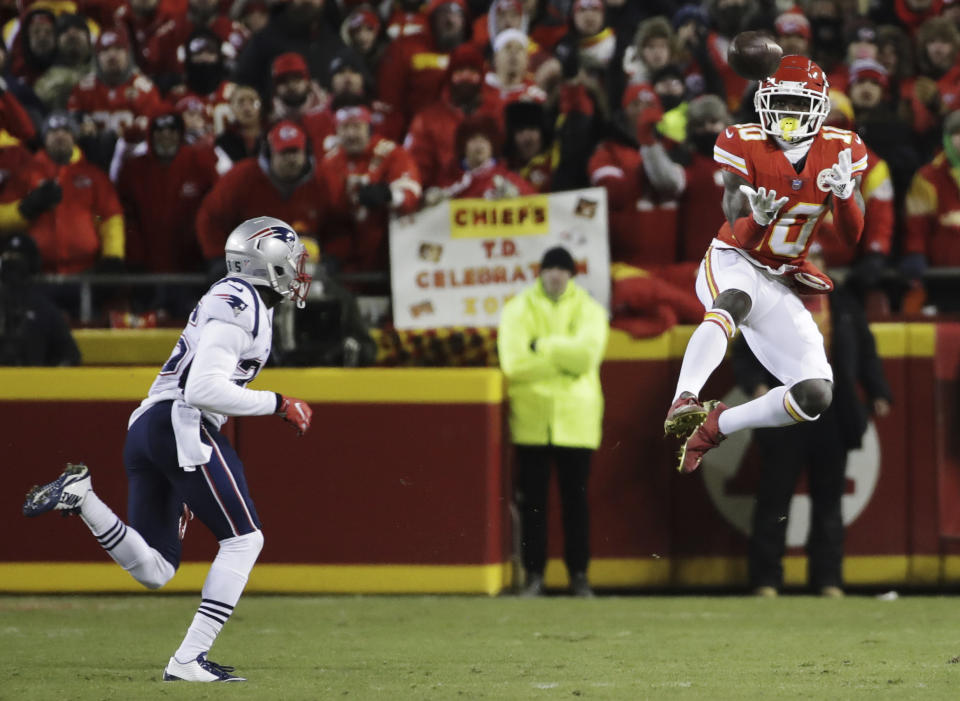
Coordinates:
x,y
721,156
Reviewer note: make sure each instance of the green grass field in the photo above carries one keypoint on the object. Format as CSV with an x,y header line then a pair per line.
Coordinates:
x,y
611,647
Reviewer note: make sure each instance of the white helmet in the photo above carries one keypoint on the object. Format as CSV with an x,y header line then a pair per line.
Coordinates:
x,y
268,251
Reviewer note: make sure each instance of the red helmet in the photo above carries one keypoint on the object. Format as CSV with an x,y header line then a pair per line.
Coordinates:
x,y
793,102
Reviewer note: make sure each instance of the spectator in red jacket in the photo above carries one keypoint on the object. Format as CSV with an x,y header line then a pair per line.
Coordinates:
x,y
67,205
367,177
161,191
480,171
935,90
413,68
510,79
299,99
642,184
115,94
280,183
362,32
201,15
146,22
205,78
431,140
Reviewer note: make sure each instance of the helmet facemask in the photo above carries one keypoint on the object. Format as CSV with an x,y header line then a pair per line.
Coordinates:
x,y
291,279
791,111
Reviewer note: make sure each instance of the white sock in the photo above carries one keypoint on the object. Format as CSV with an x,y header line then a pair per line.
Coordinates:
x,y
705,351
124,544
775,408
221,592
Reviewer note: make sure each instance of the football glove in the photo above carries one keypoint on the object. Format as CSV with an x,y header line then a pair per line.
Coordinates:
x,y
764,203
838,179
295,412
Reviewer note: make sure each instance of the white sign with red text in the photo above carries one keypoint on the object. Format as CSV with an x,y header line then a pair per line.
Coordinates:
x,y
457,263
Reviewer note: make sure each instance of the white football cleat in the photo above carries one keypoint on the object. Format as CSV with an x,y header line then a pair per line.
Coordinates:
x,y
66,493
198,670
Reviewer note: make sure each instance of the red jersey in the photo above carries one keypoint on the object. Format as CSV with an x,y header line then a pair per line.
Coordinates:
x,y
744,150
160,200
933,213
147,32
356,235
643,223
115,107
876,187
217,103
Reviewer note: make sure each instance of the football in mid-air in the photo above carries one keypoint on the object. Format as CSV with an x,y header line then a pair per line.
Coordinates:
x,y
754,55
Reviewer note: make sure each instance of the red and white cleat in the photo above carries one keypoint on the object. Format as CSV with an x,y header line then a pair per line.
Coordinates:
x,y
706,437
685,416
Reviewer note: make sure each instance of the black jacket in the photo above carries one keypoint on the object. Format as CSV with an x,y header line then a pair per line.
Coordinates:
x,y
853,356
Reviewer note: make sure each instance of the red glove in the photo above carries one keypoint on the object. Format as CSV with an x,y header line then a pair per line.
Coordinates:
x,y
296,412
647,125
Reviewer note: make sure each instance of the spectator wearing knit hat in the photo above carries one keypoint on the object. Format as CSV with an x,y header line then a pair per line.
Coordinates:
x,y
280,183
297,26
406,18
431,140
510,80
653,47
115,93
793,33
204,78
413,69
74,60
34,48
368,178
172,45
862,44
362,31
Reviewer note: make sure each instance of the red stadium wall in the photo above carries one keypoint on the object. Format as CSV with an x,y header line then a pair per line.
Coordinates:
x,y
402,485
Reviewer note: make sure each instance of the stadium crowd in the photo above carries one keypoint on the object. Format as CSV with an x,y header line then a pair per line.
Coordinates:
x,y
135,134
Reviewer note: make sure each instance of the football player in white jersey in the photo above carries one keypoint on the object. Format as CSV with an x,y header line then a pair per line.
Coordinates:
x,y
178,463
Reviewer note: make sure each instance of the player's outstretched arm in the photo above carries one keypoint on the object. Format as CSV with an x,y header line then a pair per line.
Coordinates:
x,y
735,204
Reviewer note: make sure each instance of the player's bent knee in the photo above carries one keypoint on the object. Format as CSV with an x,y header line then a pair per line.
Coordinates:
x,y
736,303
243,548
812,397
154,574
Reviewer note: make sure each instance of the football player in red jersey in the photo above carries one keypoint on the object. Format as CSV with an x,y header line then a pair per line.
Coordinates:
x,y
781,177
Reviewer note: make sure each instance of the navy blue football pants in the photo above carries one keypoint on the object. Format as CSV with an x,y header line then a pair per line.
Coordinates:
x,y
157,486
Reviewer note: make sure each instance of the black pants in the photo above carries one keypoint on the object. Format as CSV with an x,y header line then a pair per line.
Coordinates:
x,y
786,452
533,463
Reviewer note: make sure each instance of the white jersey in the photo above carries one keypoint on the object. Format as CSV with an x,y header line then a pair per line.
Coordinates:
x,y
233,301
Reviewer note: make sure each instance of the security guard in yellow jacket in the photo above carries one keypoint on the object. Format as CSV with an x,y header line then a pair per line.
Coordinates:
x,y
551,342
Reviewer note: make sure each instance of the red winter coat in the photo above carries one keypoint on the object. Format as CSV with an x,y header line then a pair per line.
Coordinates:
x,y
247,191
700,215
160,201
356,235
68,235
432,137
643,224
